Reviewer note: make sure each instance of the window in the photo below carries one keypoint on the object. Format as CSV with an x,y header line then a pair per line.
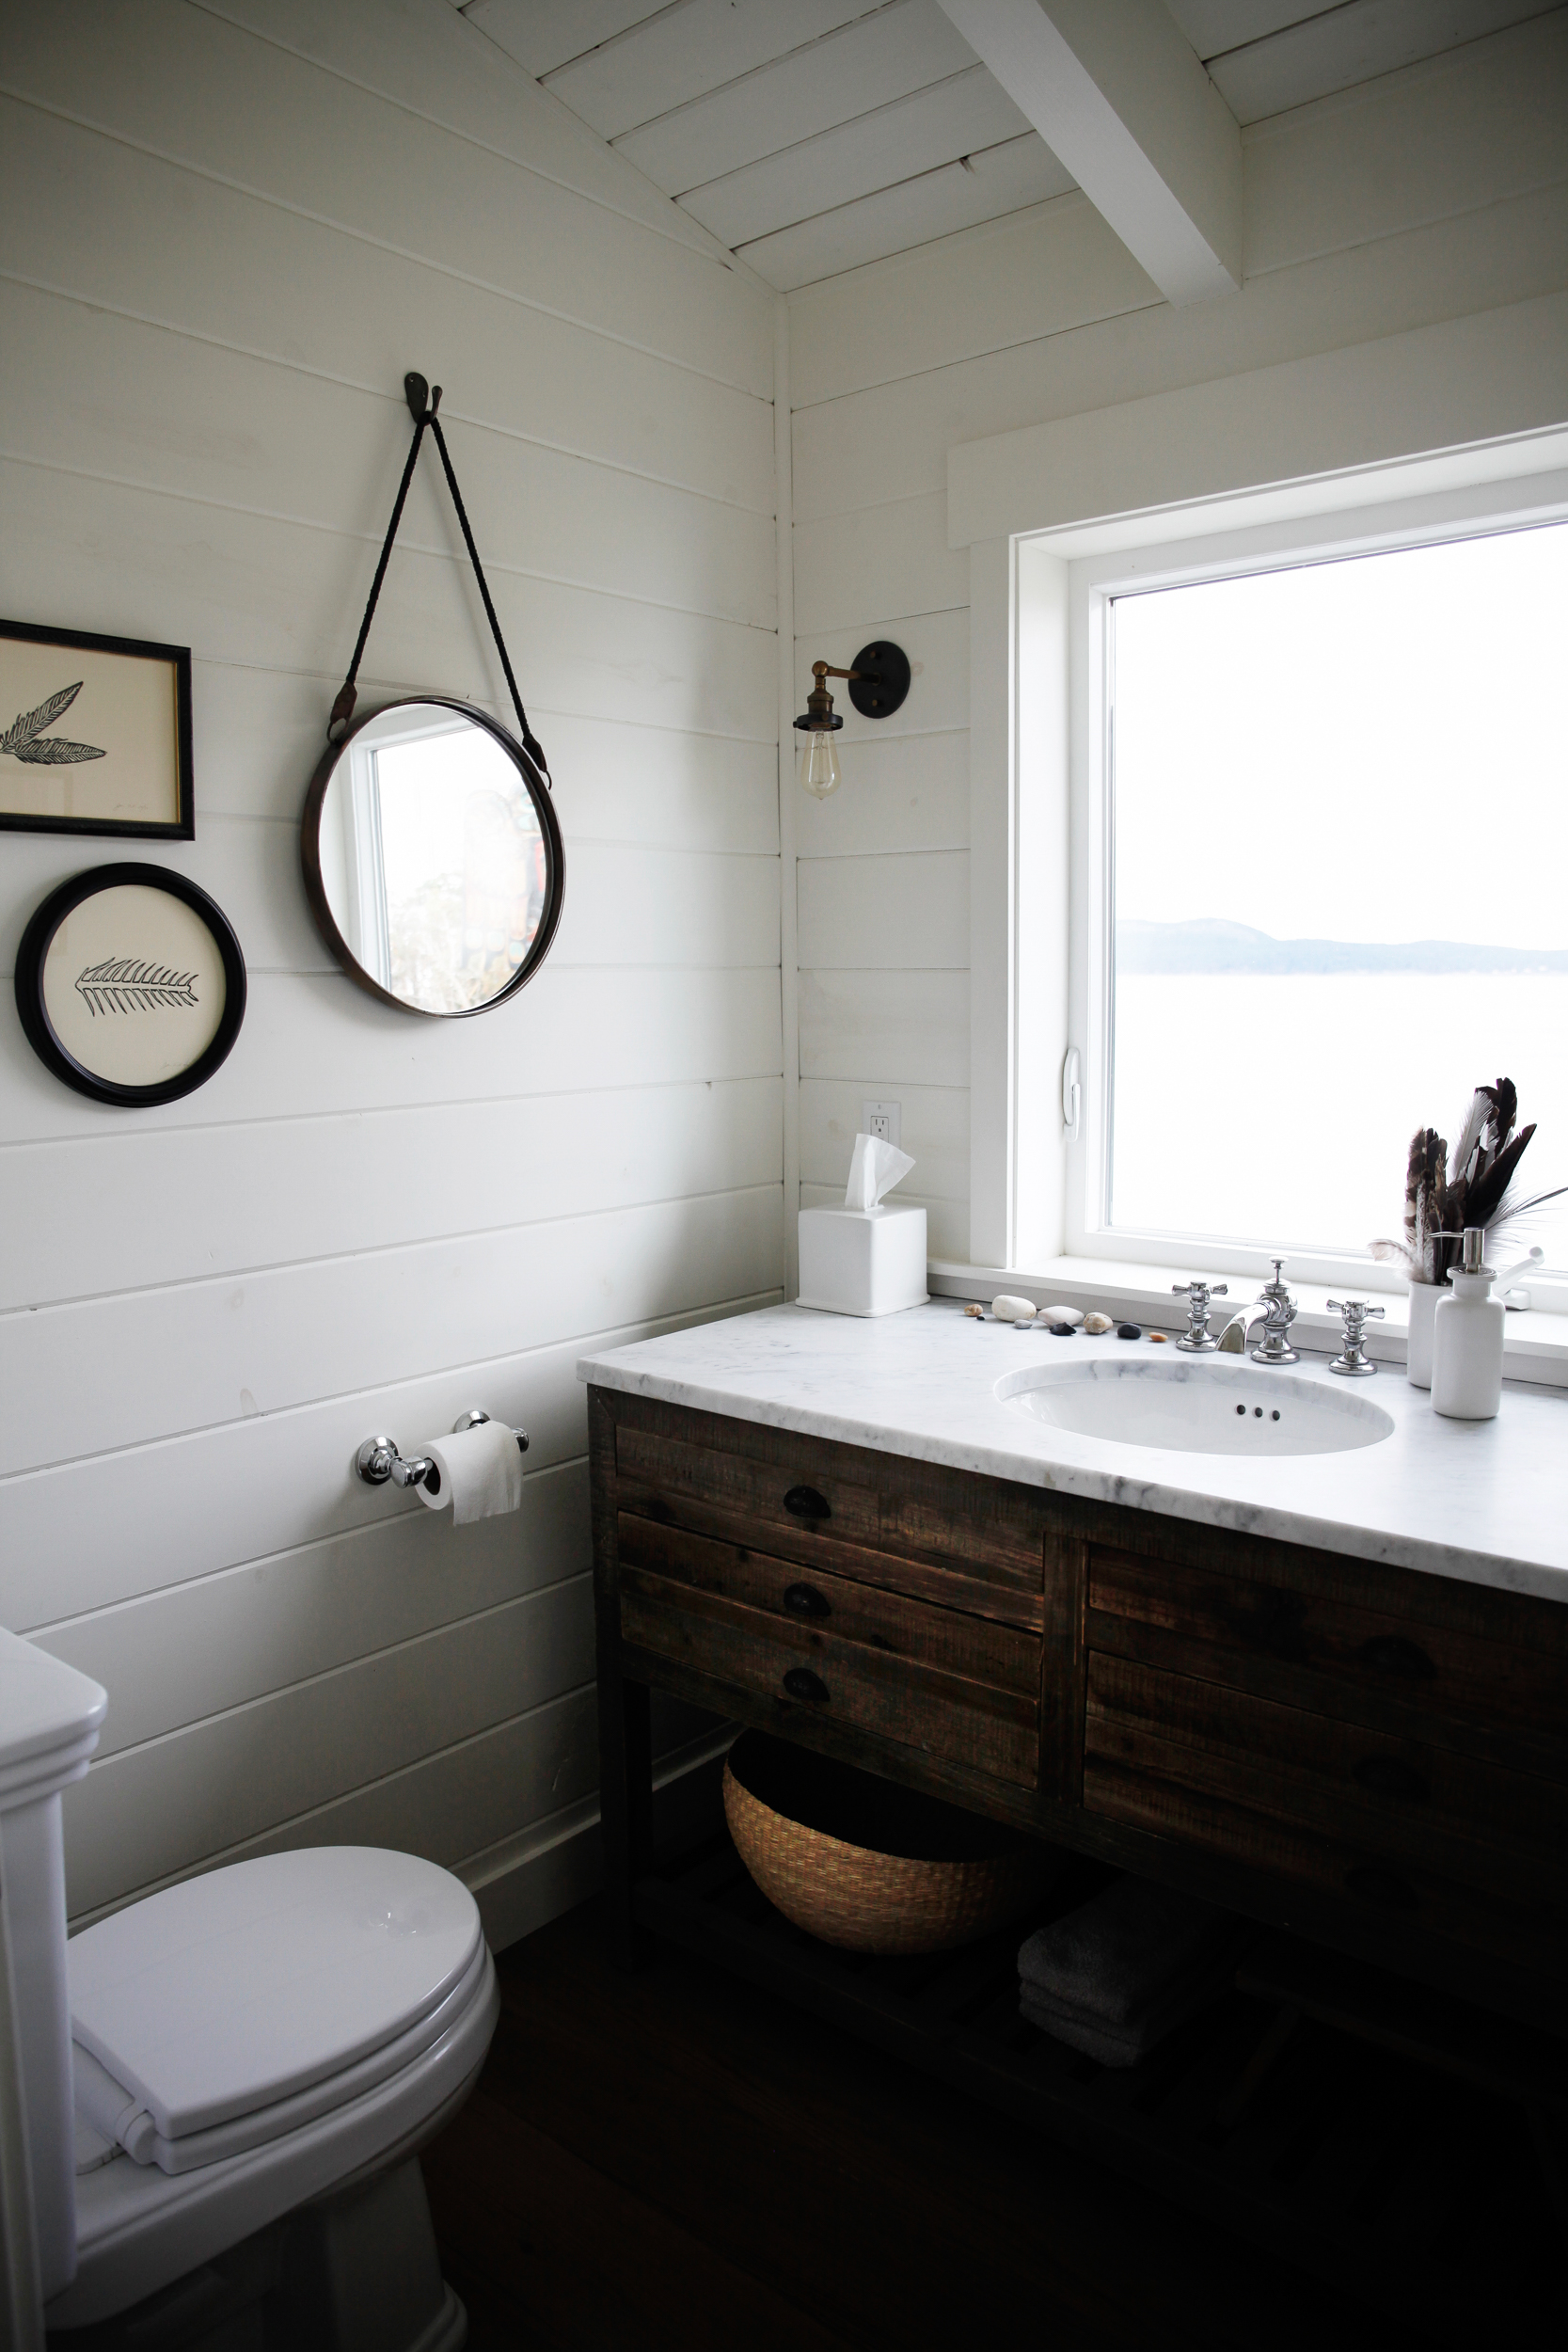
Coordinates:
x,y
1334,885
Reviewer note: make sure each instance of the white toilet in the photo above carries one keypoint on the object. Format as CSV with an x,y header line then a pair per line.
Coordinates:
x,y
215,2097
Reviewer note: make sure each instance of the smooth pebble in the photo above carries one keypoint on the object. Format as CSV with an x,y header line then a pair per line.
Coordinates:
x,y
1010,1310
1060,1313
1095,1324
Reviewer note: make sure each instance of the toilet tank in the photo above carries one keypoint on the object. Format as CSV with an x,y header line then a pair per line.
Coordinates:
x,y
50,1718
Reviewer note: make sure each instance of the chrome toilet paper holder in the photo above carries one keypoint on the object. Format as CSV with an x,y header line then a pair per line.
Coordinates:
x,y
378,1458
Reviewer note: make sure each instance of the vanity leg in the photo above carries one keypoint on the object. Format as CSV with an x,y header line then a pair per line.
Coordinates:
x,y
626,1806
625,1743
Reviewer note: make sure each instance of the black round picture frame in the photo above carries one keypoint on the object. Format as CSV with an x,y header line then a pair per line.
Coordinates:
x,y
555,854
125,984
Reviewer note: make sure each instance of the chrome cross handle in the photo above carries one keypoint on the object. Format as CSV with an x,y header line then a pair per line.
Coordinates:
x,y
1195,1340
1357,1312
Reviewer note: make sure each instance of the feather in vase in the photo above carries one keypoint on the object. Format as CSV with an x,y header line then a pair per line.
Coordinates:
x,y
1431,1207
1505,1102
1414,1172
1509,1211
1484,1194
1442,1194
1483,1109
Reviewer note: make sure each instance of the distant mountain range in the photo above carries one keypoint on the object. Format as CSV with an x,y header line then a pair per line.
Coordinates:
x,y
1213,946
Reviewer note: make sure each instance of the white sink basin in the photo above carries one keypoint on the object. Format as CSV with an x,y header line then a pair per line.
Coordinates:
x,y
1207,1404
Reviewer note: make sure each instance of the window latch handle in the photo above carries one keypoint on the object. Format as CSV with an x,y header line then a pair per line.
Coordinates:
x,y
1073,1092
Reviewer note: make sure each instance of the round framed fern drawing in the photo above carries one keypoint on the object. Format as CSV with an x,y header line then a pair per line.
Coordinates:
x,y
130,985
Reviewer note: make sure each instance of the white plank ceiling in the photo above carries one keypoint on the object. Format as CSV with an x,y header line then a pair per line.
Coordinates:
x,y
812,136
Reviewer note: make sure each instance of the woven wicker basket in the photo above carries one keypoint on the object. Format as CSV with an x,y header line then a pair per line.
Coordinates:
x,y
866,1901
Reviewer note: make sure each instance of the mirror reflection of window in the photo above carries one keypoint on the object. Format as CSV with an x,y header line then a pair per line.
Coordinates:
x,y
462,862
365,879
432,854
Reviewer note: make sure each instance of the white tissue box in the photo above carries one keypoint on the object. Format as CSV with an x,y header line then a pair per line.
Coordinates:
x,y
862,1261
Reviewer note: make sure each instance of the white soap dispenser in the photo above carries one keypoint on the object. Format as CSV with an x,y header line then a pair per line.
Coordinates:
x,y
1468,1338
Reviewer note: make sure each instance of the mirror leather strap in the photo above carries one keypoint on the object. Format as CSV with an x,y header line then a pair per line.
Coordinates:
x,y
415,392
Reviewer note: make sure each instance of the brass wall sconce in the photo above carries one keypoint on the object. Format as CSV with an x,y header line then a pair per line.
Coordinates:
x,y
879,681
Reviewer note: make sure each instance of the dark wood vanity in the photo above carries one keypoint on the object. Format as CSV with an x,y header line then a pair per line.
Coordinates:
x,y
1371,1756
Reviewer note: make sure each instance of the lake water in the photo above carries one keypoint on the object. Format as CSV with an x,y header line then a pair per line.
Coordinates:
x,y
1279,1108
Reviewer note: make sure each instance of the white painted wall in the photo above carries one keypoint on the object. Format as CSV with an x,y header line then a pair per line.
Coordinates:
x,y
228,229
1439,192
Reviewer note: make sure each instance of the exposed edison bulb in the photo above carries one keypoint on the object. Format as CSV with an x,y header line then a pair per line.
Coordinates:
x,y
820,773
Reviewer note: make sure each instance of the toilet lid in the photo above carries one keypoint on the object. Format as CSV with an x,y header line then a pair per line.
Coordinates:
x,y
239,1988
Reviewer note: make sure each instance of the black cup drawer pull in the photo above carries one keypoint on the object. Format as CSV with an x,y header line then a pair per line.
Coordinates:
x,y
805,1600
804,1502
1391,1776
802,1684
1391,1654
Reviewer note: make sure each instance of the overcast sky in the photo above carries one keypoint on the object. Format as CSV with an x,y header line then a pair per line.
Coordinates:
x,y
1374,749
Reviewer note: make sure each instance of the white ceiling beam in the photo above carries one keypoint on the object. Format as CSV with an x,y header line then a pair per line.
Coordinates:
x,y
1114,90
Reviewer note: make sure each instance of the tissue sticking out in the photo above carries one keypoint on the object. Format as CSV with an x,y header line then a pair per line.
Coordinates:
x,y
875,1169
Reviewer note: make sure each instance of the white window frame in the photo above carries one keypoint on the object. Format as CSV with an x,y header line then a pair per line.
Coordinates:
x,y
1473,412
1093,582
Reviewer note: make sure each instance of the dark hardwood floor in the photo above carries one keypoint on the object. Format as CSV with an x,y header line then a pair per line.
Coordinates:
x,y
674,2160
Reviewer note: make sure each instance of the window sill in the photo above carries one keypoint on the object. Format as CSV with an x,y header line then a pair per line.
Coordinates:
x,y
1536,1348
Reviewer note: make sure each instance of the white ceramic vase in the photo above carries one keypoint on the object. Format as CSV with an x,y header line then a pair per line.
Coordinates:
x,y
1423,1306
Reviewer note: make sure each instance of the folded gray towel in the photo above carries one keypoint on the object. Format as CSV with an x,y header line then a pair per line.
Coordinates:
x,y
1125,2044
1111,1959
1108,2046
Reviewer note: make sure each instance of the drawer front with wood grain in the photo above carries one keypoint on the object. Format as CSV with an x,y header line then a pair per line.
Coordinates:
x,y
894,1674
1406,1802
991,1536
1160,1789
1332,1657
887,1621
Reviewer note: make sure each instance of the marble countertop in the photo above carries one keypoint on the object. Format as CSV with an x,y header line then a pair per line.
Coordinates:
x,y
1482,1501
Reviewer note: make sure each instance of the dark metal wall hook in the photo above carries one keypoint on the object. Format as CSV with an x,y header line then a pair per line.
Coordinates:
x,y
422,401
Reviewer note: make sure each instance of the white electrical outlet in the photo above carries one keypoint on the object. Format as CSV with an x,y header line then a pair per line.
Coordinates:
x,y
880,1119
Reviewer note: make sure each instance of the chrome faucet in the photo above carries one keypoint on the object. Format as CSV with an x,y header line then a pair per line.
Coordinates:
x,y
1195,1339
1279,1313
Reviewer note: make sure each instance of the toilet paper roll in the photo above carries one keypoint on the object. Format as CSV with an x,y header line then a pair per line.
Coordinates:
x,y
478,1476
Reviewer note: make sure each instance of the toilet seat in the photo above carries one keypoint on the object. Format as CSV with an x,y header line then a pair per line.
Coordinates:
x,y
231,2008
140,2225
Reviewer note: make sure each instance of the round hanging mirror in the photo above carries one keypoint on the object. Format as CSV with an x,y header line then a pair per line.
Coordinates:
x,y
432,859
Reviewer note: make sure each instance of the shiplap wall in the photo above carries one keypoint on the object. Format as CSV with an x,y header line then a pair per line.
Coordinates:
x,y
1430,194
228,230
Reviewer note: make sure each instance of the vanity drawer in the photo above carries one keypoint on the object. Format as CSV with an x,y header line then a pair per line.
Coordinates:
x,y
1524,1926
1331,1656
988,1535
1249,1812
902,1674
1401,1798
819,1497
891,1622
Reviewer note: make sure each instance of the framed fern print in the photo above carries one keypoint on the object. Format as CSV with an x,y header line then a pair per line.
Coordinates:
x,y
130,985
95,734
